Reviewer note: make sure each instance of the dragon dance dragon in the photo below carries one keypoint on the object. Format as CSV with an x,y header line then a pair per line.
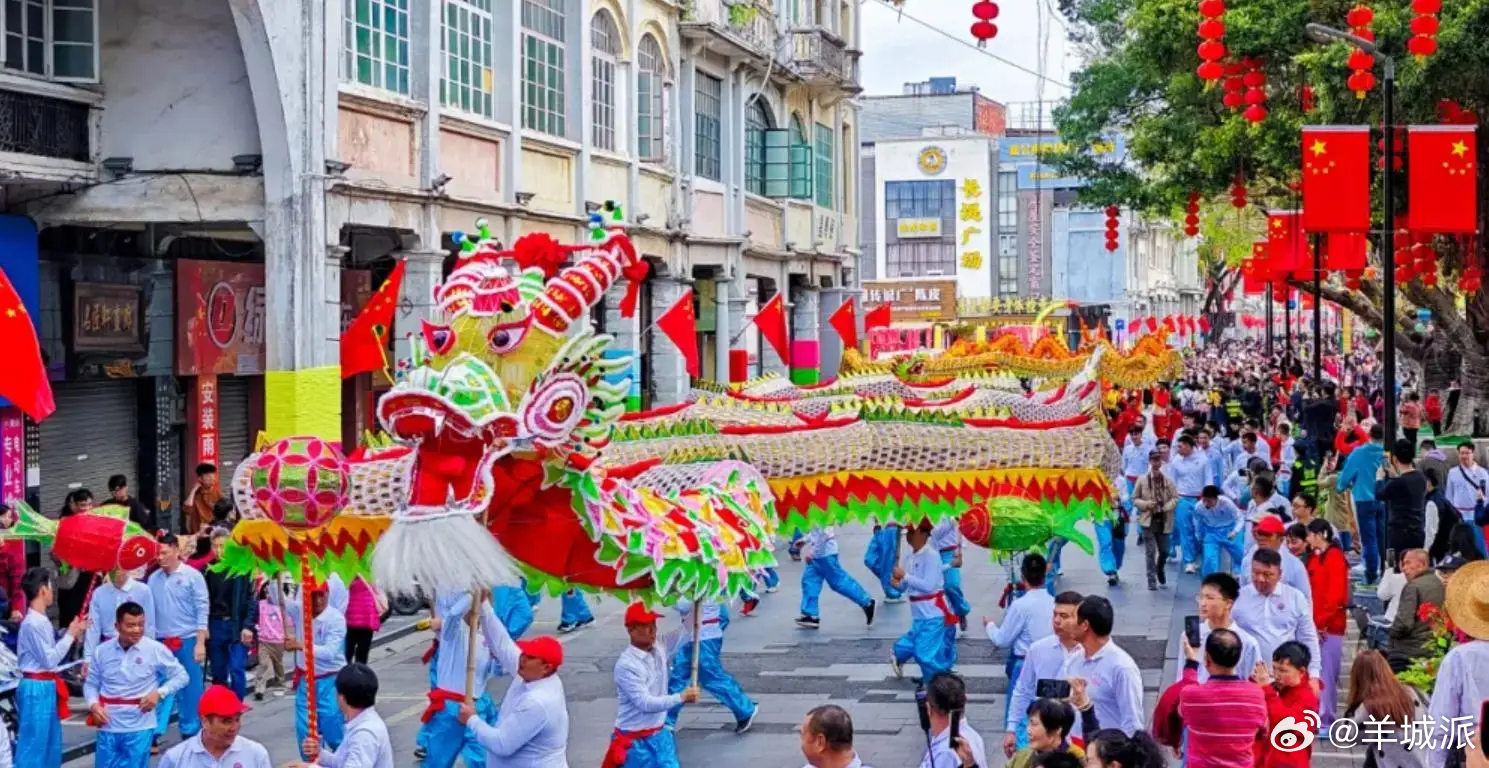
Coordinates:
x,y
510,412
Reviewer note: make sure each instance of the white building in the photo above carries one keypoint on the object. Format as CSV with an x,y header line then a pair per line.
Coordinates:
x,y
1163,274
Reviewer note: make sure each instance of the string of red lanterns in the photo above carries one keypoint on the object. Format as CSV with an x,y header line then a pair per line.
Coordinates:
x,y
1112,235
984,29
1238,191
1423,42
1211,30
1255,81
1234,84
1361,79
1191,215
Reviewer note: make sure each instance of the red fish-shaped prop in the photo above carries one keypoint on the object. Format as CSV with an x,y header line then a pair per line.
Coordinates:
x,y
100,540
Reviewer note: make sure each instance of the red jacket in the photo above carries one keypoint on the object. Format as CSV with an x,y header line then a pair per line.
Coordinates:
x,y
12,568
1346,440
1434,408
1167,422
1328,576
1281,705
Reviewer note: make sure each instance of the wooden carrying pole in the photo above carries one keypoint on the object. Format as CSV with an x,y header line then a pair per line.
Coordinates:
x,y
471,618
697,612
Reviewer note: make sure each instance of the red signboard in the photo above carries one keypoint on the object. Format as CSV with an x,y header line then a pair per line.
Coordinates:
x,y
988,117
12,454
205,416
221,309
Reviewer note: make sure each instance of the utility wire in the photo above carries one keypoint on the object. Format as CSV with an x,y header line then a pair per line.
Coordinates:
x,y
982,51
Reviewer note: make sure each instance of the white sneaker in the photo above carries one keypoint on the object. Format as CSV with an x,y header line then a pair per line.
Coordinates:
x,y
772,589
894,666
1191,568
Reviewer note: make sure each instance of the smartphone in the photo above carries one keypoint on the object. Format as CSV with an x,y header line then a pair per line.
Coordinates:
x,y
1483,714
1050,688
922,709
1191,630
956,722
1390,558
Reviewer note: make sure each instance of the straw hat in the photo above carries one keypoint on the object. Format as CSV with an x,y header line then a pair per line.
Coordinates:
x,y
1468,599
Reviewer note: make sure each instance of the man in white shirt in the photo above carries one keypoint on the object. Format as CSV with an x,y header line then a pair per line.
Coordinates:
x,y
41,699
946,539
827,738
329,646
366,743
1045,660
1274,613
1188,470
946,698
1217,596
446,739
1029,618
1220,524
107,597
128,677
533,728
1113,681
1269,533
821,556
641,699
931,641
1467,482
217,744
1463,677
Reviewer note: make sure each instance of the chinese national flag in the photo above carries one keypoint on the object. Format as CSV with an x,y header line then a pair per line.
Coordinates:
x,y
844,320
1346,251
1443,178
25,381
771,320
1336,178
1285,243
364,345
681,327
878,317
1254,274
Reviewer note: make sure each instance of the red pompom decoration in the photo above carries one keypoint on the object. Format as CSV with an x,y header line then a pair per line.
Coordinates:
x,y
1360,60
1212,50
1212,9
984,31
1361,81
1256,96
985,10
1232,99
1113,211
1191,220
1254,79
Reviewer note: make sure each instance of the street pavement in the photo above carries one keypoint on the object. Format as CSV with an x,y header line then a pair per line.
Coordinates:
x,y
789,670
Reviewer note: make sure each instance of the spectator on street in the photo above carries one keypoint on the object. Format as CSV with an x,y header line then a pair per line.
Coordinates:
x,y
1411,564
1328,573
1270,533
12,568
1463,543
1438,515
1358,477
1274,613
270,671
232,618
1050,725
1466,484
1463,676
1112,678
1111,748
827,738
1375,695
202,497
1404,492
945,694
1290,693
1411,417
1155,497
1297,545
72,584
1424,595
1224,714
1217,598
1432,410
363,619
138,513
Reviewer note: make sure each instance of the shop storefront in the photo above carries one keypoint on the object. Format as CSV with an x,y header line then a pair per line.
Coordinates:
x,y
920,312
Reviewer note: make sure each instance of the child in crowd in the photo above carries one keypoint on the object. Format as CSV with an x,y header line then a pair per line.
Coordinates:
x,y
271,644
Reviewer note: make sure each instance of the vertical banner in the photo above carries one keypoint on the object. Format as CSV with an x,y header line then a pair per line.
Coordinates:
x,y
1346,331
12,454
204,417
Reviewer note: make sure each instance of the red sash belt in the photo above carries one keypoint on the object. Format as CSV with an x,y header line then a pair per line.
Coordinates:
x,y
620,745
438,697
63,712
173,643
107,701
939,599
429,654
710,621
300,675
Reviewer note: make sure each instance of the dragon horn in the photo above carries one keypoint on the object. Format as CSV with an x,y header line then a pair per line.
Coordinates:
x,y
570,294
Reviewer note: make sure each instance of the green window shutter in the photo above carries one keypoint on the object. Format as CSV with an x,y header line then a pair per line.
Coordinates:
x,y
824,166
801,171
778,163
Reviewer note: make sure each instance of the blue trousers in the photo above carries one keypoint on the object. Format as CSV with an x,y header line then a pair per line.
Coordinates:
x,y
1217,539
39,742
1011,669
658,750
794,548
329,721
826,568
575,609
1056,545
226,656
1186,531
185,700
880,560
954,597
931,642
445,739
1283,484
1113,550
1372,519
712,677
129,749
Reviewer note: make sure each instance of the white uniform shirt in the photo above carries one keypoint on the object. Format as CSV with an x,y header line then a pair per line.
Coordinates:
x,y
1462,685
104,606
710,625
942,753
1135,457
1029,618
1046,660
454,637
37,647
180,602
1250,652
329,641
925,575
1462,487
1274,619
822,541
641,694
533,730
119,673
946,535
1114,684
244,753
365,745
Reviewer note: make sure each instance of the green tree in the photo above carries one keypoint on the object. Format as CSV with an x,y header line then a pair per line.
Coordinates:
x,y
1140,82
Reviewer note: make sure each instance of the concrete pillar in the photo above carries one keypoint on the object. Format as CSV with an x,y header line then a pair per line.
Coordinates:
x,y
627,334
420,277
806,355
669,372
831,299
724,330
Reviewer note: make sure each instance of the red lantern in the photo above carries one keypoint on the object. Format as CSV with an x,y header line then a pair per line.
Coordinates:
x,y
984,31
1209,71
1212,9
1360,82
1359,16
1422,46
1424,25
1306,98
1426,7
985,10
1238,193
1212,29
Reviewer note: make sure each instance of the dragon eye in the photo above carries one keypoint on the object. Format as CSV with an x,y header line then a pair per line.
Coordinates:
x,y
439,337
505,338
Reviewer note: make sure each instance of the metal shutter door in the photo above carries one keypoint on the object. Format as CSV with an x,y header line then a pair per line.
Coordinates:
x,y
233,440
93,434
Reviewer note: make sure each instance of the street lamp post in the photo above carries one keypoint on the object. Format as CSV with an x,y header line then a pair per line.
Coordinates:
x,y
1323,34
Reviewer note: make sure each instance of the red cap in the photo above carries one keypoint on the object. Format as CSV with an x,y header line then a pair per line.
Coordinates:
x,y
543,647
638,614
220,701
1271,525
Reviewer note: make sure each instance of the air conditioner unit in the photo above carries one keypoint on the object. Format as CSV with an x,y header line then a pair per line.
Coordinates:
x,y
934,273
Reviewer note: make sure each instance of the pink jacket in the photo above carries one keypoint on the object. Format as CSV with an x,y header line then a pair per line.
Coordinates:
x,y
361,607
271,623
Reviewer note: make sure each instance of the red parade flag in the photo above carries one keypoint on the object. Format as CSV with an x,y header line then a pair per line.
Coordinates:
x,y
771,320
1204,324
844,320
1253,270
25,381
878,317
1336,178
1346,252
364,345
681,327
1152,324
1442,181
1285,243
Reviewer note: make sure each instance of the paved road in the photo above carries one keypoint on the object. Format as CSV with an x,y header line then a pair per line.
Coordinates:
x,y
788,670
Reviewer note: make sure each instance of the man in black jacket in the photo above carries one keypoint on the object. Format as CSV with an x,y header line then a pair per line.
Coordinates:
x,y
139,514
232,620
1404,492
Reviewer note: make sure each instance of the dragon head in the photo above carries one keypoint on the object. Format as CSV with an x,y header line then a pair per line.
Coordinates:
x,y
509,365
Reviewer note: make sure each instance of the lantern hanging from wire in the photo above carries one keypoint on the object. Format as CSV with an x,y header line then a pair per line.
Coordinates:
x,y
1211,31
984,29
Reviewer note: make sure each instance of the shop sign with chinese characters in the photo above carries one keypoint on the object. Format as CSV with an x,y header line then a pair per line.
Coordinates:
x,y
206,418
106,318
220,317
911,301
974,263
913,229
12,454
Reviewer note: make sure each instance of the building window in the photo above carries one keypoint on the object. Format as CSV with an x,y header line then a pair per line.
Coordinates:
x,y
921,200
604,40
543,66
824,165
1008,200
66,28
1008,263
466,84
801,161
916,253
708,115
376,40
923,258
651,107
757,123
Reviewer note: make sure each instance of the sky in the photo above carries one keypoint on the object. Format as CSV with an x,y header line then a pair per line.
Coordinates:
x,y
897,51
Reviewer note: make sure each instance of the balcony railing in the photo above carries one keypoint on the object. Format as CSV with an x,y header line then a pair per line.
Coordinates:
x,y
43,126
817,55
748,24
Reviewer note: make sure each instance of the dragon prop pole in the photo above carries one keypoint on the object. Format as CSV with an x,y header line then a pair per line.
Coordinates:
x,y
307,647
697,623
470,652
